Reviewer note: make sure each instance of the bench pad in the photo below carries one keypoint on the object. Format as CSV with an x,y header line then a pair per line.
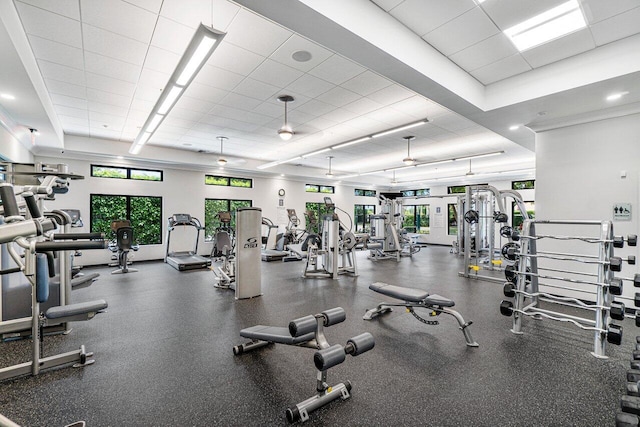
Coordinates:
x,y
411,294
76,309
276,334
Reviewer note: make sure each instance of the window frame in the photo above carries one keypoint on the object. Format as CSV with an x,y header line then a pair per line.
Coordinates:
x,y
127,170
228,208
525,182
364,193
228,180
365,221
318,188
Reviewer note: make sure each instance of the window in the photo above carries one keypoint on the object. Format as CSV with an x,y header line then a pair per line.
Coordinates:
x,y
516,216
227,181
528,184
144,212
456,189
211,209
125,173
416,218
313,188
361,214
319,210
452,219
366,193
413,193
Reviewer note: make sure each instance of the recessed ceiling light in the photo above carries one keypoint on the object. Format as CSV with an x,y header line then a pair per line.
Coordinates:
x,y
120,158
616,96
547,26
281,174
514,127
301,56
7,96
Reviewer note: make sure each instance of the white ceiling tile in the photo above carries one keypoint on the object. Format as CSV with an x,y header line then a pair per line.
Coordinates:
x,y
62,88
390,94
509,13
136,118
193,104
366,83
236,59
205,92
339,115
502,69
297,118
338,97
419,107
51,70
275,73
316,107
68,8
240,115
108,98
223,13
49,25
141,105
147,93
171,36
73,129
462,31
390,116
99,120
598,10
484,53
617,27
387,4
196,12
310,86
61,110
150,5
217,77
113,110
362,106
270,109
69,121
69,101
337,70
100,64
253,33
240,101
107,84
153,78
297,43
120,18
56,52
256,89
97,132
422,16
161,60
113,45
181,118
564,47
366,125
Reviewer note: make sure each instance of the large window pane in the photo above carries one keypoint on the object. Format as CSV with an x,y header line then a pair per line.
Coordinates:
x,y
211,209
146,175
105,209
241,182
146,219
516,216
452,219
108,172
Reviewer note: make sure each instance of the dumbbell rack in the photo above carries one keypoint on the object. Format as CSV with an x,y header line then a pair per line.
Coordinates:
x,y
527,287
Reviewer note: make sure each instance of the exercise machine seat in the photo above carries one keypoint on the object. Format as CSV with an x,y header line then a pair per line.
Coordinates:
x,y
76,309
124,238
411,294
276,334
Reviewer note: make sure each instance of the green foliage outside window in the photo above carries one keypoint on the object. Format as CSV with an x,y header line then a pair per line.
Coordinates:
x,y
146,175
241,182
319,209
416,219
528,184
216,180
516,216
452,219
361,214
144,212
366,193
125,173
313,188
211,209
456,189
107,172
226,181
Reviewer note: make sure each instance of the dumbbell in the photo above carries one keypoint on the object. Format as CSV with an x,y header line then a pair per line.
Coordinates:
x,y
506,307
635,279
471,216
500,217
510,251
506,231
615,263
511,274
624,419
618,241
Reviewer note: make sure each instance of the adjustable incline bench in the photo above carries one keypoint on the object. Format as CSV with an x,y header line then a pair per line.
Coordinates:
x,y
308,332
418,298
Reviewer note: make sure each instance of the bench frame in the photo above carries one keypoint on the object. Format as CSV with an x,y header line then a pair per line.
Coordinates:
x,y
434,308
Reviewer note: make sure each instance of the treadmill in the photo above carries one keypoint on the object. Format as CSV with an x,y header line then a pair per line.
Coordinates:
x,y
185,260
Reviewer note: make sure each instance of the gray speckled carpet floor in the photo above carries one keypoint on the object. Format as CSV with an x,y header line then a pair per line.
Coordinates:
x,y
164,356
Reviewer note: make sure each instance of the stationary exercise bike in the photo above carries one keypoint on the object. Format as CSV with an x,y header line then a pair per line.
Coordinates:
x,y
122,245
223,250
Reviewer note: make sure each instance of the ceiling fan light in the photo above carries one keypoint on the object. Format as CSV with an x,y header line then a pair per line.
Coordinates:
x,y
408,161
285,134
222,161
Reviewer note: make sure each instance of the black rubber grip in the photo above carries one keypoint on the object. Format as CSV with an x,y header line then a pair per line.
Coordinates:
x,y
69,246
78,236
32,205
9,202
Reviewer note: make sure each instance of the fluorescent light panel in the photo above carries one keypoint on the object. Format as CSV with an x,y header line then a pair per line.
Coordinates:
x,y
201,46
401,128
324,150
547,26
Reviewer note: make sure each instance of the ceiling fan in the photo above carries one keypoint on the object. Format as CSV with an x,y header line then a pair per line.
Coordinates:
x,y
221,160
285,132
470,173
408,160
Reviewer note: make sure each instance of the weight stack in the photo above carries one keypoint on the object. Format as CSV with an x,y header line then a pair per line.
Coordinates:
x,y
248,253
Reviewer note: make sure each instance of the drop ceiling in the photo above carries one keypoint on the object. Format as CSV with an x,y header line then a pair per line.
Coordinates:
x,y
104,67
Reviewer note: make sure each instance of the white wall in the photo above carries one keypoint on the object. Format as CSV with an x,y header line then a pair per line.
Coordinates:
x,y
579,175
12,149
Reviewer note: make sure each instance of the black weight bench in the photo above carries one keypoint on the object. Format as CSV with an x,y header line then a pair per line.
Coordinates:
x,y
418,298
308,332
